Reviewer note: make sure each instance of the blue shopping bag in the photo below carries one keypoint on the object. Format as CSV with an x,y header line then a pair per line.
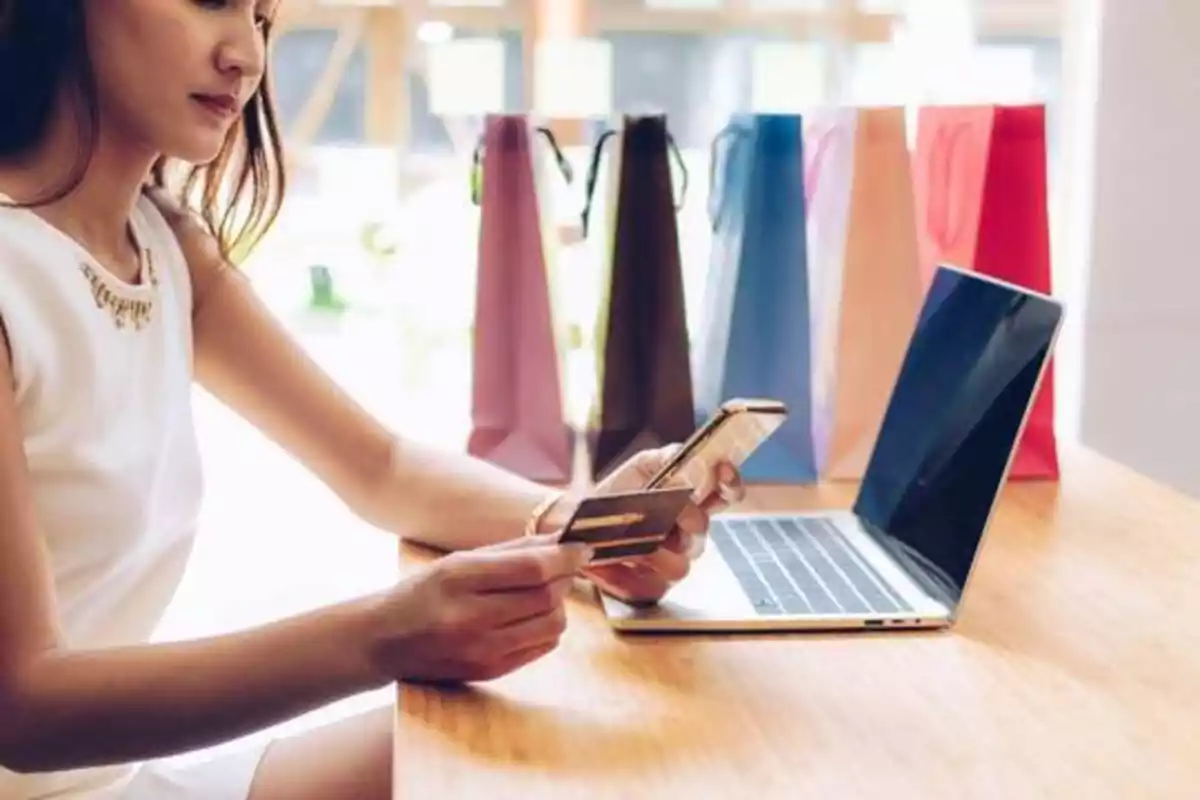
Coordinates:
x,y
755,336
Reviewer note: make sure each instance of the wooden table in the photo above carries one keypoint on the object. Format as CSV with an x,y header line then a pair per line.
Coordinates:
x,y
1073,673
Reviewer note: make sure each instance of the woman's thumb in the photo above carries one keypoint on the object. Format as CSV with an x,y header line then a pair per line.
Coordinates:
x,y
525,542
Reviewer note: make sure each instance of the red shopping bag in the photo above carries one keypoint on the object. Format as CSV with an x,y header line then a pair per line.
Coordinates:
x,y
981,189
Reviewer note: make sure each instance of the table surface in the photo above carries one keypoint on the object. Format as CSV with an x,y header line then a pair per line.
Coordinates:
x,y
1074,671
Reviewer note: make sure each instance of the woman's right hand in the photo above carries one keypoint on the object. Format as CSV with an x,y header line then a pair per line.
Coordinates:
x,y
476,615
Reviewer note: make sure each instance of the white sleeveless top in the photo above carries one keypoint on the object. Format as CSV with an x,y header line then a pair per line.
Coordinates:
x,y
109,437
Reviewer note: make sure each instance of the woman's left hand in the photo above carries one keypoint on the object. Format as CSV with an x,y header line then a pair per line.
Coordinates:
x,y
646,579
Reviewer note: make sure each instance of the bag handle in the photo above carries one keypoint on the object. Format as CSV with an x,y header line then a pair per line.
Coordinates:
x,y
823,145
593,176
945,229
735,135
564,166
683,170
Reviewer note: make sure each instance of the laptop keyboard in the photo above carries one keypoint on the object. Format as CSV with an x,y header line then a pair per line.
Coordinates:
x,y
796,565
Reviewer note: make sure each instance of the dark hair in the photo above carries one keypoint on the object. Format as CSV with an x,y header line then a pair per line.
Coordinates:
x,y
43,51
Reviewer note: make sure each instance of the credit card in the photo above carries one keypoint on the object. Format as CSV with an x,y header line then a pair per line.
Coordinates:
x,y
626,525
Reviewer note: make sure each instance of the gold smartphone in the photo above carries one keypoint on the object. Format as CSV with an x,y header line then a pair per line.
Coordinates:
x,y
734,432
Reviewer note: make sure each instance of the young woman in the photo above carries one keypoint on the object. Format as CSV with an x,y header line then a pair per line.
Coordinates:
x,y
114,296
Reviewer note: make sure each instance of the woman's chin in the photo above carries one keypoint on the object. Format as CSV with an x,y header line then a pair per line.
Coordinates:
x,y
200,149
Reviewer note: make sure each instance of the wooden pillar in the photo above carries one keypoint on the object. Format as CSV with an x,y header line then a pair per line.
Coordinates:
x,y
554,20
840,50
387,38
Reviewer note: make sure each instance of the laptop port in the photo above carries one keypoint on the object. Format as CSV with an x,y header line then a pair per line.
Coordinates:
x,y
874,623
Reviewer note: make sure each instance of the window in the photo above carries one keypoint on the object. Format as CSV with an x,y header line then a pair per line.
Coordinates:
x,y
299,59
362,209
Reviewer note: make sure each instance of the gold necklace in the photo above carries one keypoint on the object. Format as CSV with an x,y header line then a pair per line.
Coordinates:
x,y
125,311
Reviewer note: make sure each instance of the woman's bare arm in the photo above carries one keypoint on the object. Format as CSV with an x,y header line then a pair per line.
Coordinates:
x,y
61,709
246,358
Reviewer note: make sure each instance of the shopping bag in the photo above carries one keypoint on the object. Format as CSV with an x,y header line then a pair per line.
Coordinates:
x,y
517,411
981,183
829,165
644,385
949,168
868,282
754,332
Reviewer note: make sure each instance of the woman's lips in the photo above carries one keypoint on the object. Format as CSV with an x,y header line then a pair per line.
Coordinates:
x,y
223,106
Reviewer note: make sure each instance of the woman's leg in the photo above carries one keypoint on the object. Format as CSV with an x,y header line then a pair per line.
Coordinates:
x,y
351,758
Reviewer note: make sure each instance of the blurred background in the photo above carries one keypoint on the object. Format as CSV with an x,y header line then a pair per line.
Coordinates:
x,y
382,103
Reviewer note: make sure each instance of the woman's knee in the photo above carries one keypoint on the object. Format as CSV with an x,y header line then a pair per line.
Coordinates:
x,y
349,758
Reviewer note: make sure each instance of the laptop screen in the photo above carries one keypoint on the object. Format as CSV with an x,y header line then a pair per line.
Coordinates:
x,y
943,448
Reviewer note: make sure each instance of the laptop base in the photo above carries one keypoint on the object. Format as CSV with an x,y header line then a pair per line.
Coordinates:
x,y
823,596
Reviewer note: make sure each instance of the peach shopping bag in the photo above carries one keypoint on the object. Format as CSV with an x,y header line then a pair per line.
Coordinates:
x,y
865,276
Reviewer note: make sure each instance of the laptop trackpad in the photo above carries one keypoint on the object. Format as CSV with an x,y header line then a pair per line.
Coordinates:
x,y
710,593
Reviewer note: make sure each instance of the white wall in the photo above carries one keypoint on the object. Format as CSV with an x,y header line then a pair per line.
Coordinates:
x,y
1135,201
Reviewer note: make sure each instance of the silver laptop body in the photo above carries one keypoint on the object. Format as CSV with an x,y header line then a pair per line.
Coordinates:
x,y
902,557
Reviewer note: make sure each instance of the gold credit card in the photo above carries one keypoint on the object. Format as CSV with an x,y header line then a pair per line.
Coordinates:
x,y
627,525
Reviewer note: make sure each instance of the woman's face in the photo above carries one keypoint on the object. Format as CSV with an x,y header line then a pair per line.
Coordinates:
x,y
174,75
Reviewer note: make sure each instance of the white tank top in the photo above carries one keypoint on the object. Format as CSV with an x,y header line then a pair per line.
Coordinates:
x,y
108,433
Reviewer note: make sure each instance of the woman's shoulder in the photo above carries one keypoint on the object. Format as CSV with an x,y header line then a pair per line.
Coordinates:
x,y
22,233
197,248
169,227
166,217
28,250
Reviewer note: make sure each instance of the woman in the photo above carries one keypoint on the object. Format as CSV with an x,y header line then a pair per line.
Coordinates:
x,y
112,300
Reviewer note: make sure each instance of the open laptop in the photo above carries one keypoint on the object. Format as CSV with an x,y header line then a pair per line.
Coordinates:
x,y
901,558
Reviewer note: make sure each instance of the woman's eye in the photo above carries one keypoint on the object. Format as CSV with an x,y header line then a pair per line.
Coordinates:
x,y
261,20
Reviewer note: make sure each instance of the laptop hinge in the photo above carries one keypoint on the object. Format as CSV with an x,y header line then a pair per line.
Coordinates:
x,y
923,574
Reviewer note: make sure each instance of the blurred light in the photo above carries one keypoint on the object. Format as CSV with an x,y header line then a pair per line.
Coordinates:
x,y
435,32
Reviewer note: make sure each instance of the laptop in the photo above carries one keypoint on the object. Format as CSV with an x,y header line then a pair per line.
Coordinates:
x,y
902,556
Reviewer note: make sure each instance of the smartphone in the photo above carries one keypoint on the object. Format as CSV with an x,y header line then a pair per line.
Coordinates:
x,y
734,432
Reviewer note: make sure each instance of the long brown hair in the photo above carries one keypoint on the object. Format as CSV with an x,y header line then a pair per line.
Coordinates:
x,y
238,195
